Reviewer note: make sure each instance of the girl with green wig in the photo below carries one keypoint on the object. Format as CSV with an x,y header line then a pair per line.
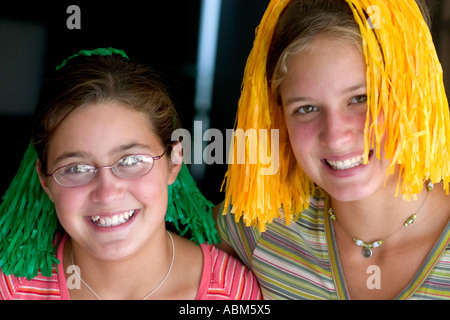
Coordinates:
x,y
85,217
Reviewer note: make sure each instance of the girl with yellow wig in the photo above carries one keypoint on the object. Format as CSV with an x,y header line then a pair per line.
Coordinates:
x,y
359,207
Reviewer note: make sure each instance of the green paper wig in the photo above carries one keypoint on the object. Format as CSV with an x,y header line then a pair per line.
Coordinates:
x,y
28,220
27,224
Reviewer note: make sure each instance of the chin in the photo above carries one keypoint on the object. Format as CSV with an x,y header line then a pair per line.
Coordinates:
x,y
116,254
117,250
352,193
367,184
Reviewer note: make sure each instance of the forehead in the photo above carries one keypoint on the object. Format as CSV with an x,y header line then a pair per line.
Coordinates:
x,y
329,64
97,129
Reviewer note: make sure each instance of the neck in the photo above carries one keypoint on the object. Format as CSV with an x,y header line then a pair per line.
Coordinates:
x,y
130,278
378,216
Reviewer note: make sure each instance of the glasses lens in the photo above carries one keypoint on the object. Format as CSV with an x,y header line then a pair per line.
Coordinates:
x,y
133,166
75,175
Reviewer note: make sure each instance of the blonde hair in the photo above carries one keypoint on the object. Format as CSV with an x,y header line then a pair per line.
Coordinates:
x,y
293,35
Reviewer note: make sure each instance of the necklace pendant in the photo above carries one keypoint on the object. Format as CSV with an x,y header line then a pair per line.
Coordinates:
x,y
367,247
367,252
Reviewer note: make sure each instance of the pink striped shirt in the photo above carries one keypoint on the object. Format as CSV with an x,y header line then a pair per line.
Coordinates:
x,y
223,278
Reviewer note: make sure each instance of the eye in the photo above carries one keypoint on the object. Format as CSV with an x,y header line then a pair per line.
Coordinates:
x,y
78,168
132,160
306,109
359,99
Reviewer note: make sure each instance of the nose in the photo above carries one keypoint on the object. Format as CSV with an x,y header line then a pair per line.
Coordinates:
x,y
107,187
337,129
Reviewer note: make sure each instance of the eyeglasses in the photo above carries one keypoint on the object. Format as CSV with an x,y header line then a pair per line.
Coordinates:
x,y
129,167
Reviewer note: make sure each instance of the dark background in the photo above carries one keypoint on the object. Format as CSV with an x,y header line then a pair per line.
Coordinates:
x,y
34,39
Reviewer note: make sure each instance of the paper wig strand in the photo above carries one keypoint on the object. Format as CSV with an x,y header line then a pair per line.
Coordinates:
x,y
255,196
96,52
27,223
406,100
28,220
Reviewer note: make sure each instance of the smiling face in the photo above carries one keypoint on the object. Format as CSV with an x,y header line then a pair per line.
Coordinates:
x,y
324,104
110,217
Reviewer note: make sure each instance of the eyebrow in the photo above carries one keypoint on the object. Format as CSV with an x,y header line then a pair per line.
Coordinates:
x,y
113,152
345,91
126,147
354,88
68,155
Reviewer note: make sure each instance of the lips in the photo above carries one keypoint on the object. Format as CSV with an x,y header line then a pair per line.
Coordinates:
x,y
114,220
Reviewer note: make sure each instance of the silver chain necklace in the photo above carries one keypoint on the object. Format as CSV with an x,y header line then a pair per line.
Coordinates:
x,y
151,292
368,246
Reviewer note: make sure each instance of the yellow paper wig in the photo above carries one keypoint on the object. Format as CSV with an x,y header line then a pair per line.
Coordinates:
x,y
406,104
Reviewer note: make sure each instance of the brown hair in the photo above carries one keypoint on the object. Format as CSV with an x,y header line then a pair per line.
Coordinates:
x,y
96,79
302,21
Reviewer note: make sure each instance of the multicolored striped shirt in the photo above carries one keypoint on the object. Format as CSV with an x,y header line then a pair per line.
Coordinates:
x,y
223,278
300,260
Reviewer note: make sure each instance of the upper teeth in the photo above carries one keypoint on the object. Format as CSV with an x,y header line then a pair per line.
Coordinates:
x,y
346,164
112,221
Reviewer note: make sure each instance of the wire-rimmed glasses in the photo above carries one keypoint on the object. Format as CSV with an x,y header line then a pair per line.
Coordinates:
x,y
128,167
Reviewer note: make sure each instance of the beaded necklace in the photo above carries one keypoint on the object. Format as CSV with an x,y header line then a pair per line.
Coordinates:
x,y
368,246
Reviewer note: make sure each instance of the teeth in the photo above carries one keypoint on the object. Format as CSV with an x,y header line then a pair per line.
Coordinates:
x,y
346,164
112,221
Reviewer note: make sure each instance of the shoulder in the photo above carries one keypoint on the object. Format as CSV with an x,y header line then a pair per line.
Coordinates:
x,y
235,234
226,278
244,239
38,288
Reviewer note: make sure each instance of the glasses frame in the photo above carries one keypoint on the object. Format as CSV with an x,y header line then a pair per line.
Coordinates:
x,y
112,167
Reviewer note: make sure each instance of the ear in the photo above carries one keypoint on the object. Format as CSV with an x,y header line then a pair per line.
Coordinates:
x,y
43,179
176,159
